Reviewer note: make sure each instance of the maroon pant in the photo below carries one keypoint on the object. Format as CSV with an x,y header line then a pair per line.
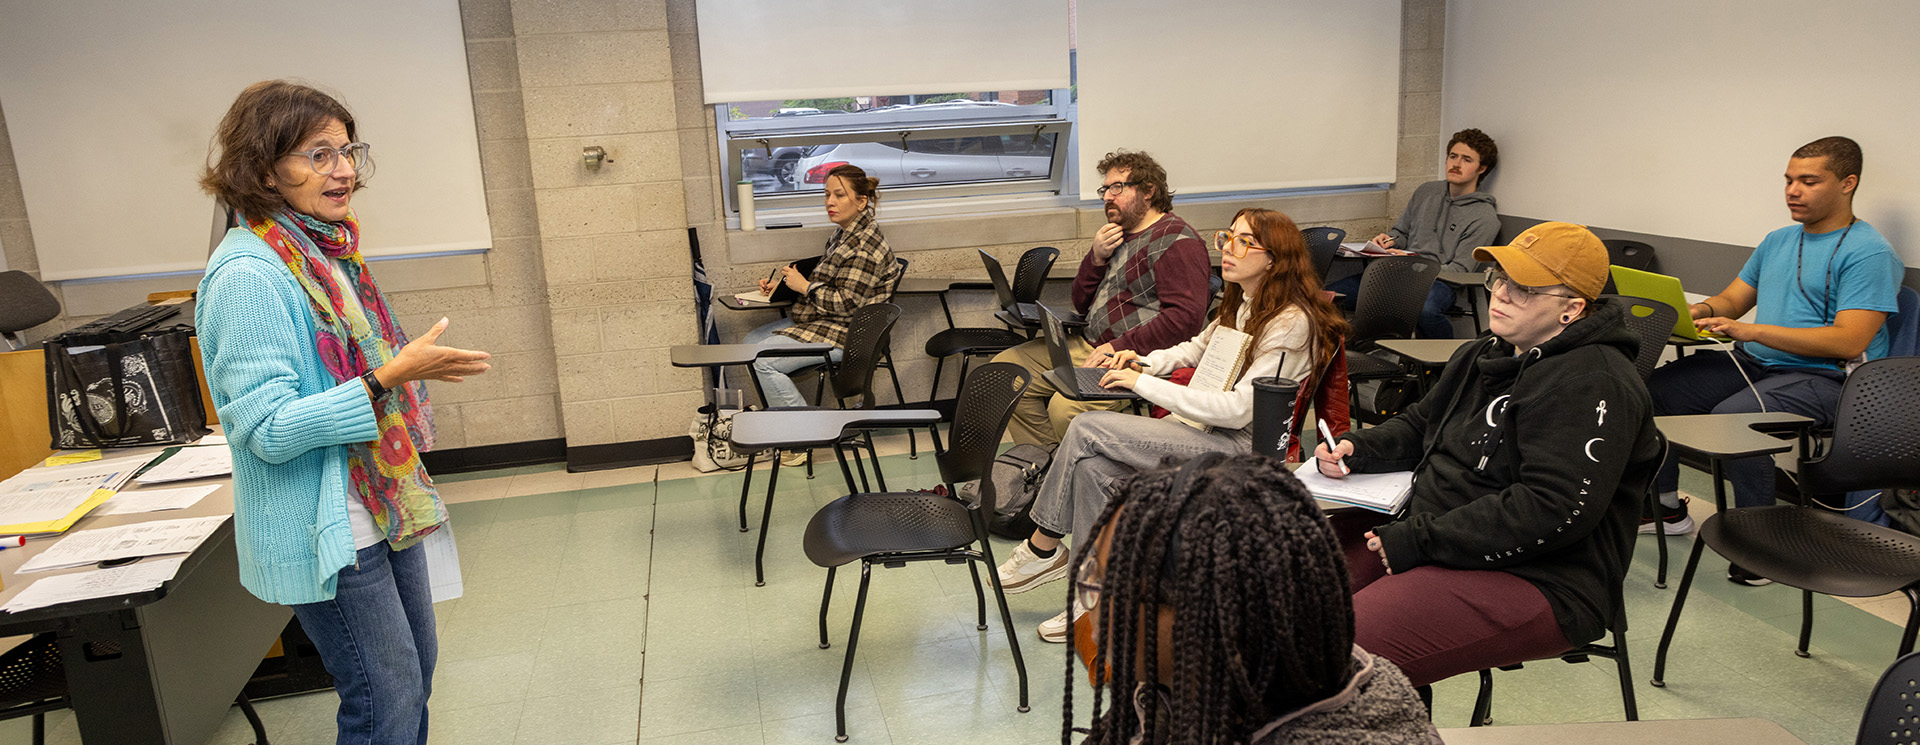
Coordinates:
x,y
1434,622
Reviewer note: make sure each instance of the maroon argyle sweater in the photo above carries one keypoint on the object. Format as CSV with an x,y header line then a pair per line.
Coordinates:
x,y
1153,292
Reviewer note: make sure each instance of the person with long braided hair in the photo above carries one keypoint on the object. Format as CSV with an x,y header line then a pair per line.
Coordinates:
x,y
1221,613
1274,296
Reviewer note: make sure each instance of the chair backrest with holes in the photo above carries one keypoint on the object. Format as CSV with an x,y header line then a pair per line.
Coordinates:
x,y
986,404
1875,445
1030,275
867,334
1893,711
1651,321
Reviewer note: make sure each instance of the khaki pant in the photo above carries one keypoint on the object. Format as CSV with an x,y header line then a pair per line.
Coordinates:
x,y
1042,415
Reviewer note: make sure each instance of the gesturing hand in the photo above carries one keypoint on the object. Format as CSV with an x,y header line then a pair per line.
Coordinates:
x,y
424,359
1105,240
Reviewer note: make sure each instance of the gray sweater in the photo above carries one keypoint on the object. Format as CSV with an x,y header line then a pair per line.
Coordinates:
x,y
1447,228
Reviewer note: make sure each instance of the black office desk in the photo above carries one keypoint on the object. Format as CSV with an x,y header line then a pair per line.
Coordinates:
x,y
723,355
162,666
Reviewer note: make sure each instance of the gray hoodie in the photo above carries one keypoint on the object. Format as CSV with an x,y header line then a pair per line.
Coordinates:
x,y
1447,228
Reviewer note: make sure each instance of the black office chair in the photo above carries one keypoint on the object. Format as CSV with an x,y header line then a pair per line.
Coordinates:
x,y
1393,290
886,358
1811,547
33,681
1029,278
850,378
1323,243
1630,254
24,304
1890,716
1652,321
894,529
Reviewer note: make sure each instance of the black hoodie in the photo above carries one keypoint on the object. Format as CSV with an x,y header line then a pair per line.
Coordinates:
x,y
1535,465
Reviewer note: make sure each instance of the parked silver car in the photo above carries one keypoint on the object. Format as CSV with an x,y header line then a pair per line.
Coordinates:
x,y
948,160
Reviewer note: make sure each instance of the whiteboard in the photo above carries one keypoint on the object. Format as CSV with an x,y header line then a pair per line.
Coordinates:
x,y
1677,117
1242,95
111,105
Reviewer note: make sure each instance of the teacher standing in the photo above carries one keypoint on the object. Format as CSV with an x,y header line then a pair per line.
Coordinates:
x,y
316,385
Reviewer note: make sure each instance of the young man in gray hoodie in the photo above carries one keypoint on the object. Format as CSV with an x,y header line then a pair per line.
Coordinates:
x,y
1446,220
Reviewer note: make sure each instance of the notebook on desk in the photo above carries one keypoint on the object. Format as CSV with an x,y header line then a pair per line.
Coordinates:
x,y
1380,492
781,292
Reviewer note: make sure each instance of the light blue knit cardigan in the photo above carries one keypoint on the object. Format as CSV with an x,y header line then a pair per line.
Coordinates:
x,y
287,423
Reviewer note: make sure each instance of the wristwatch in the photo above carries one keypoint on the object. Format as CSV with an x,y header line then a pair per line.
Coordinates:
x,y
374,388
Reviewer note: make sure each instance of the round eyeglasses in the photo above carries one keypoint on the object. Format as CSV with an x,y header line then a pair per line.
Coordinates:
x,y
1237,246
1086,584
1520,295
326,160
1114,187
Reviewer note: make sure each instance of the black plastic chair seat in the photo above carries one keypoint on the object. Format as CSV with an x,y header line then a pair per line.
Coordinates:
x,y
32,672
973,341
1816,550
1361,365
860,525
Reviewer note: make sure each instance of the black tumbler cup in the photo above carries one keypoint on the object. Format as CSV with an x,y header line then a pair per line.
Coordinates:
x,y
1273,415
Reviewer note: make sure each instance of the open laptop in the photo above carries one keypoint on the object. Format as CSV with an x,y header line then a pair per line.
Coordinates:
x,y
1027,313
1082,382
1664,289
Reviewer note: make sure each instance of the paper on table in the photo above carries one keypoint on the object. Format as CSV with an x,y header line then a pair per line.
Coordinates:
x,y
210,440
443,564
71,457
190,463
100,583
42,505
155,500
1380,492
152,538
107,474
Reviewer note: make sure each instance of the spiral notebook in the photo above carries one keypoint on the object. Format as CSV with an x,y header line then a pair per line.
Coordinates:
x,y
1219,367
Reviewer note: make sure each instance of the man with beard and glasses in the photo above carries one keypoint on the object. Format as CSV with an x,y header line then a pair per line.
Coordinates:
x,y
1143,286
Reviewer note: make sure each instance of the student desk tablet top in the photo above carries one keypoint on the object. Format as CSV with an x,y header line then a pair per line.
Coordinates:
x,y
1731,435
720,355
764,430
1429,352
1749,731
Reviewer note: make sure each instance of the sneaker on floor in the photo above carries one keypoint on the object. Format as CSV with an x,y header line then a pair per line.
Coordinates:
x,y
1740,576
1024,571
1055,630
1677,520
794,458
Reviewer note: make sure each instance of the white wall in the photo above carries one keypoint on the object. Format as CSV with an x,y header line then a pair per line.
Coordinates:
x,y
1677,117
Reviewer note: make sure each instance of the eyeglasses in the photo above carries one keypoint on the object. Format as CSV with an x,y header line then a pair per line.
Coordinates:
x,y
1520,295
1086,584
1115,186
325,160
1237,246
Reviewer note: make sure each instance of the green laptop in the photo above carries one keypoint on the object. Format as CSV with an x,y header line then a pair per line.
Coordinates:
x,y
1664,289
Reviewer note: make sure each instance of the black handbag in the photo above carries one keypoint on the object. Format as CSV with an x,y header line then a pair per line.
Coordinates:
x,y
119,390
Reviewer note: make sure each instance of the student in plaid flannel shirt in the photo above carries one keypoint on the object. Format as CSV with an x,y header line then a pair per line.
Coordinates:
x,y
1143,287
858,270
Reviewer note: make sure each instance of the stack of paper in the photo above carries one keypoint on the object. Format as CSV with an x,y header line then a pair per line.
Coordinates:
x,y
50,500
1380,492
100,583
155,500
190,463
153,538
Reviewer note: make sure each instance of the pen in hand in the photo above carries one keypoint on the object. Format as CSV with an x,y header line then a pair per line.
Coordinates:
x,y
1326,438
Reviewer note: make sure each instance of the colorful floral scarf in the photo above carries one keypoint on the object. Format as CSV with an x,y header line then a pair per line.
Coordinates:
x,y
352,339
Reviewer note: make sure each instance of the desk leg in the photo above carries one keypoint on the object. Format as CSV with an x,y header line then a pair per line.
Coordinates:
x,y
766,516
114,697
945,310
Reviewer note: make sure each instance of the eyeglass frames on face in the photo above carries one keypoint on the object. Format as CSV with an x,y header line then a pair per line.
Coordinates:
x,y
1237,246
1115,187
1086,584
326,160
1498,282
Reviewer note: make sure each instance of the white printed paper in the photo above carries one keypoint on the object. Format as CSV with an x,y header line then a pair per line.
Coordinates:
x,y
443,564
152,538
153,500
42,505
100,583
1380,492
108,474
191,463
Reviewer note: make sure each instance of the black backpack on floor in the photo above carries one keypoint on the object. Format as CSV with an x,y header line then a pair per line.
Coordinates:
x,y
1016,476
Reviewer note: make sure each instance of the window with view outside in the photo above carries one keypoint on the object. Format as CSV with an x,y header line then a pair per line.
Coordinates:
x,y
800,168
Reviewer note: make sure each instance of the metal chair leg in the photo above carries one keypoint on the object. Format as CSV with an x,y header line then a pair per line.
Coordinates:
x,y
1673,616
1625,669
846,669
1000,596
900,396
1913,620
979,598
746,480
878,477
253,719
1483,704
1806,624
826,599
766,516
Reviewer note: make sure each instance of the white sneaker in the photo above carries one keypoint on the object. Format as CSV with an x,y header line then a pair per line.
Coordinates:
x,y
1024,571
794,458
1055,630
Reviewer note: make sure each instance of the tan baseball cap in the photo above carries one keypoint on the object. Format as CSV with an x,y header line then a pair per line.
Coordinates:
x,y
1553,253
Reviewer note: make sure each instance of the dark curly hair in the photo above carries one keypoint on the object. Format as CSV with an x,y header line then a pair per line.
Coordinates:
x,y
1482,144
266,122
1142,169
1263,610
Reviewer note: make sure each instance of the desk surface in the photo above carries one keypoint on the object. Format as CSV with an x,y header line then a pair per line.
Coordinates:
x,y
1729,435
1750,731
713,355
1434,352
1464,279
759,430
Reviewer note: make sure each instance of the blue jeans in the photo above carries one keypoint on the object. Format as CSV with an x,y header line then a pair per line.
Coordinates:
x,y
1708,383
376,638
774,372
1434,321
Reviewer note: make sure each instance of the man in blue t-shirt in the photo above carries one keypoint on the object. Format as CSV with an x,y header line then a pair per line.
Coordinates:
x,y
1822,291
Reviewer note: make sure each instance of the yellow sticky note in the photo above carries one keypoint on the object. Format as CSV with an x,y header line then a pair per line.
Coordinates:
x,y
78,456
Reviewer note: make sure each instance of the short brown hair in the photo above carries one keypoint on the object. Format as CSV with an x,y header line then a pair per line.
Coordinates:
x,y
1842,154
266,122
1142,169
1481,144
857,180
